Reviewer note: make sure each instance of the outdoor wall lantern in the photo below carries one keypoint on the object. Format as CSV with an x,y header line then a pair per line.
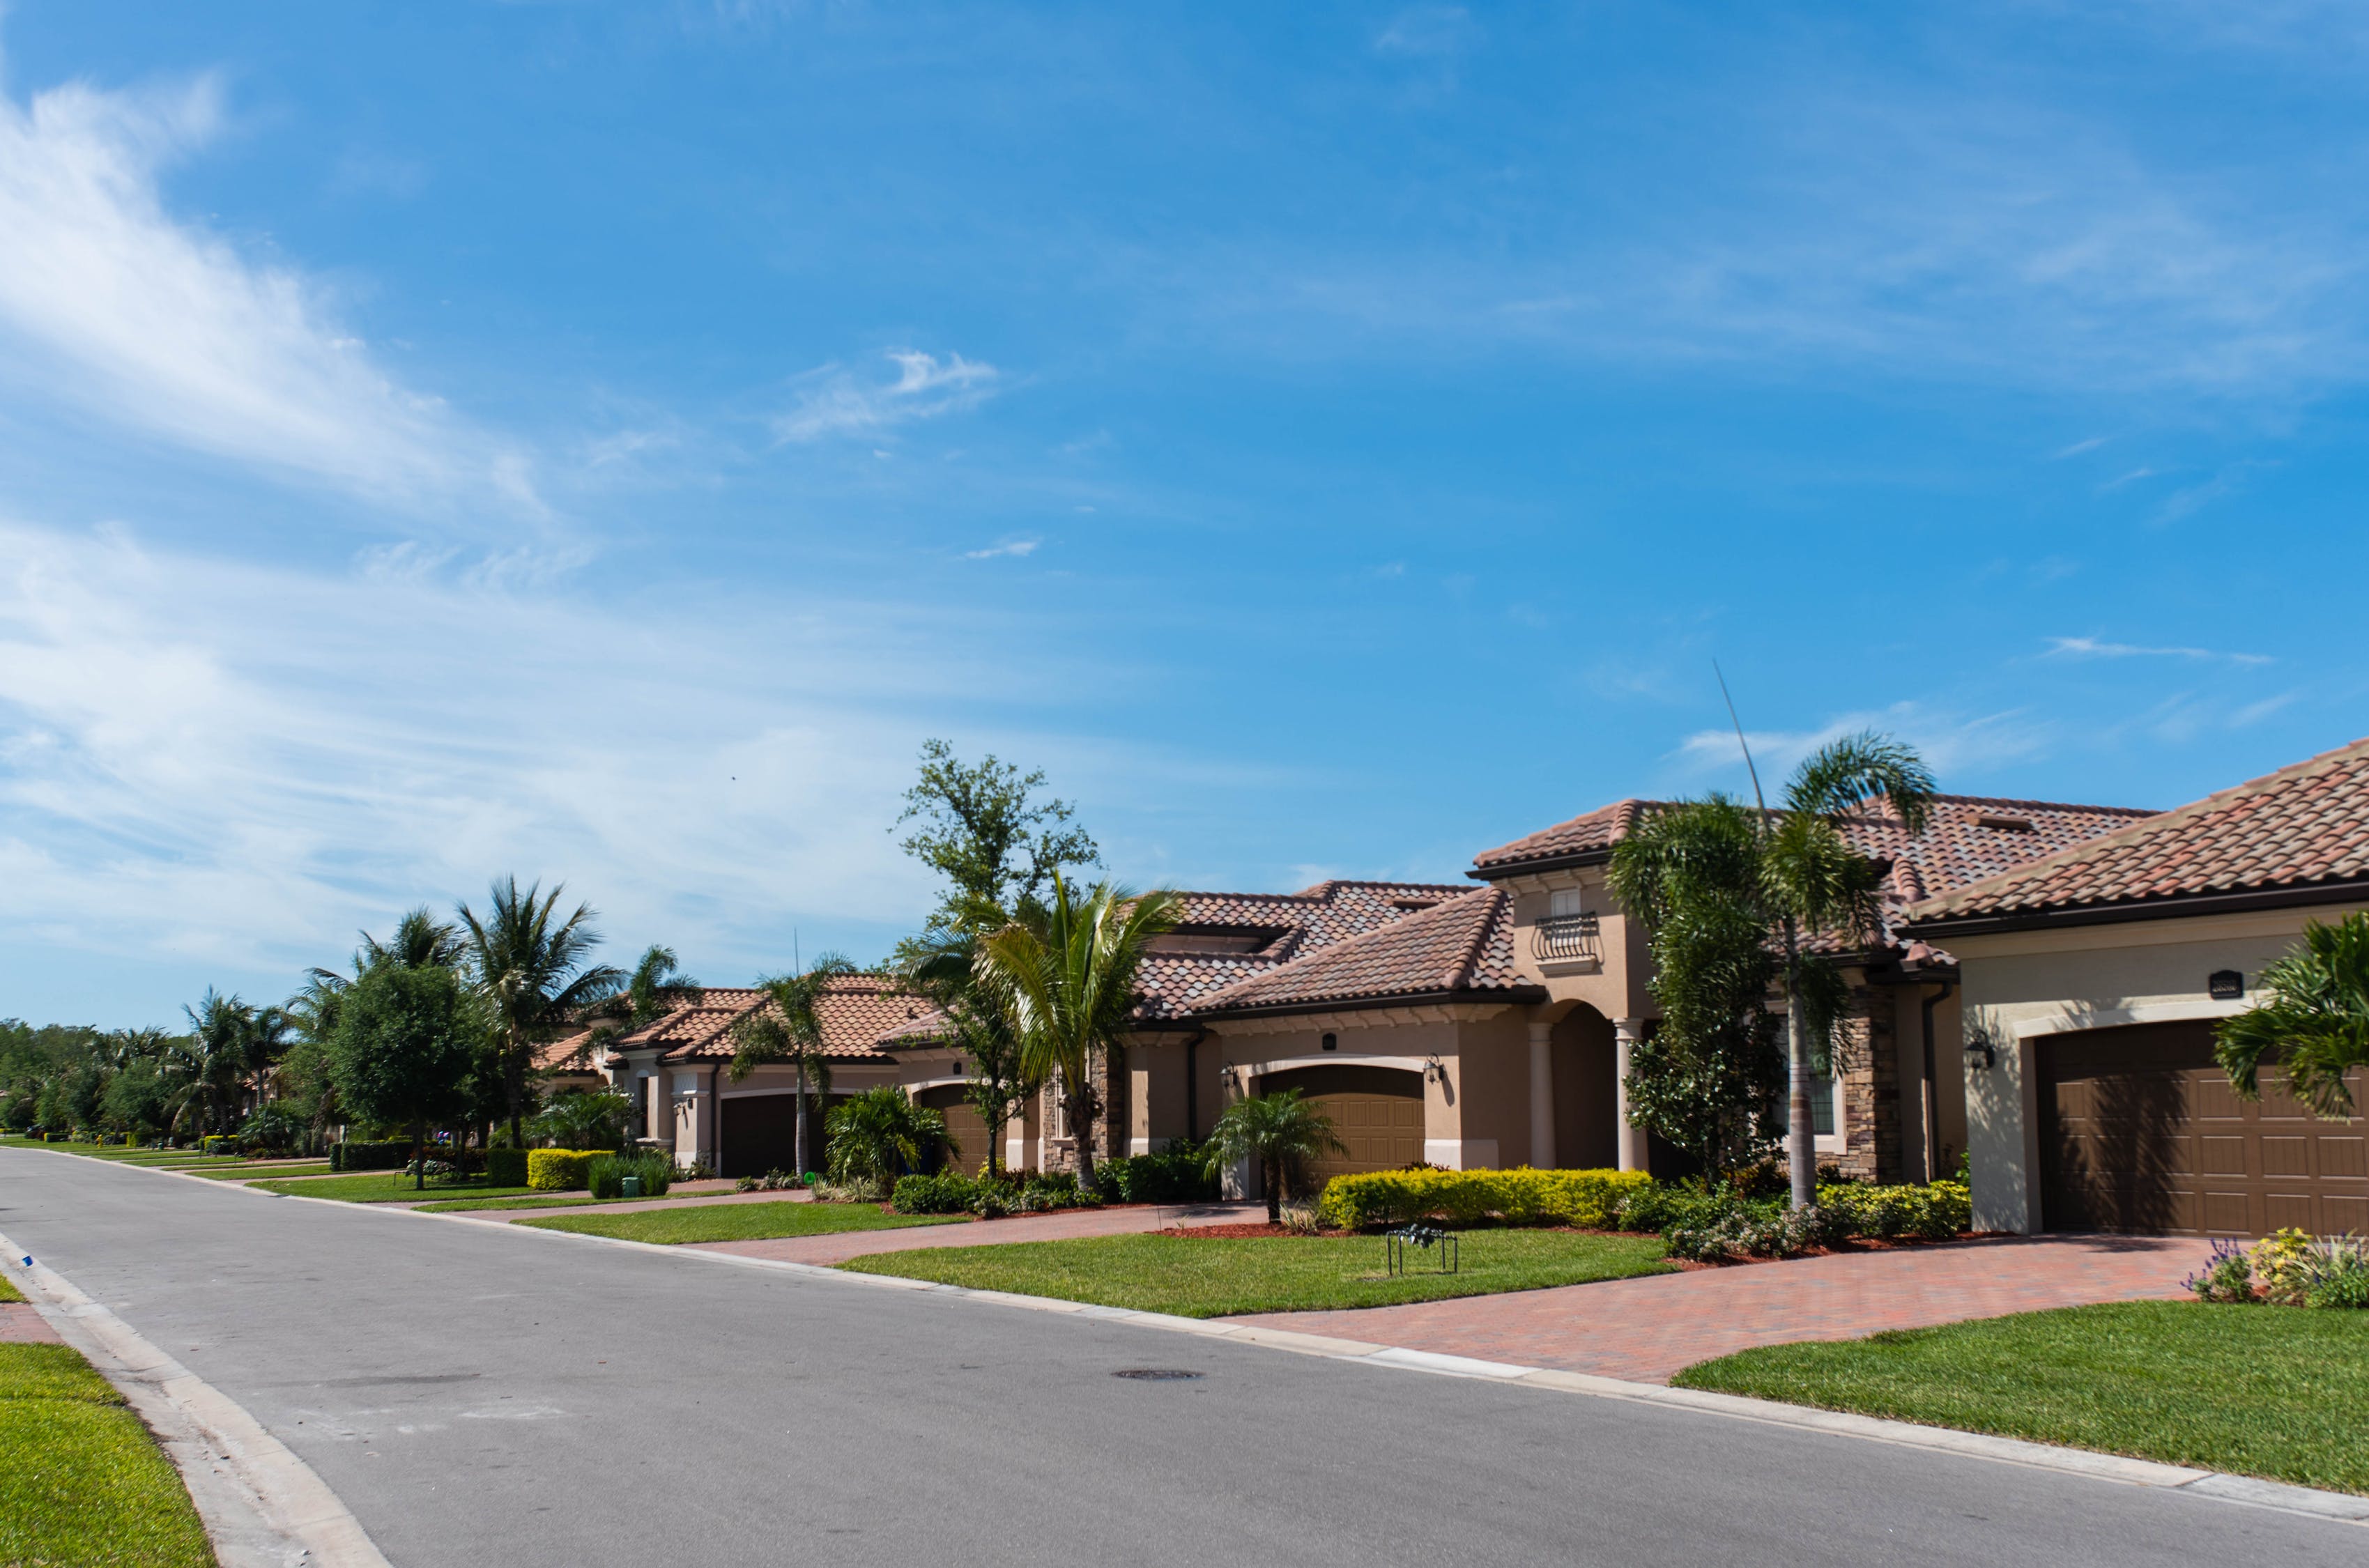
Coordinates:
x,y
1433,1072
1980,1052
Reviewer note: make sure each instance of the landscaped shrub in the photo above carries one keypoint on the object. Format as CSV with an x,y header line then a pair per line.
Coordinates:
x,y
1589,1200
1178,1174
558,1170
773,1181
218,1144
2339,1273
506,1167
2228,1274
606,1174
2283,1266
353,1155
948,1192
1935,1211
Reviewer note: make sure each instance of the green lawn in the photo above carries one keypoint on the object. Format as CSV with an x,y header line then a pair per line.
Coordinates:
x,y
382,1187
9,1292
2274,1391
547,1200
1215,1278
81,1481
248,1173
741,1221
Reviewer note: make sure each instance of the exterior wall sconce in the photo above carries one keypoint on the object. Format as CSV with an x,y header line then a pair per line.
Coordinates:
x,y
1433,1072
1980,1052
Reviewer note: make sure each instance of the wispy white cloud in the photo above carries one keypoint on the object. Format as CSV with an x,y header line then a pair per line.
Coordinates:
x,y
924,388
1950,743
1427,31
2094,648
111,302
1005,548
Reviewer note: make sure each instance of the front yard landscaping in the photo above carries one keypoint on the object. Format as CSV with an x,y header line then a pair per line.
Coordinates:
x,y
1214,1277
550,1200
81,1481
2255,1390
741,1222
385,1187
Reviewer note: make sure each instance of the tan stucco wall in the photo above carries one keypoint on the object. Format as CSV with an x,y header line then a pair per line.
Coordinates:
x,y
1615,989
2021,986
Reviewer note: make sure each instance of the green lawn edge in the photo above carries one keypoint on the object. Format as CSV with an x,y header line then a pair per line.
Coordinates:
x,y
1218,1278
2268,1391
81,1479
378,1186
739,1222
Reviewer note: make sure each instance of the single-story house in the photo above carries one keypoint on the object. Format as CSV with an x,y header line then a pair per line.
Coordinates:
x,y
2093,978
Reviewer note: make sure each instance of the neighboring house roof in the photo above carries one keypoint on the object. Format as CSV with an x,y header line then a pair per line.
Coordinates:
x,y
1461,948
561,1054
1585,838
2288,837
856,1011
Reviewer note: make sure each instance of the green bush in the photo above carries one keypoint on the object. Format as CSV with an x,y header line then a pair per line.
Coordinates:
x,y
505,1167
559,1170
1178,1174
606,1174
1586,1200
1936,1211
948,1192
354,1155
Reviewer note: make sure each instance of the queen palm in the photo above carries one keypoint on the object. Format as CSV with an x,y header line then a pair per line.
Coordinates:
x,y
790,1030
2313,1020
534,969
1278,1131
942,964
1817,884
215,1057
1068,979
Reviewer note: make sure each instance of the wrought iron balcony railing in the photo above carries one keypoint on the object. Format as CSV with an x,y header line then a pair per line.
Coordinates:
x,y
1564,937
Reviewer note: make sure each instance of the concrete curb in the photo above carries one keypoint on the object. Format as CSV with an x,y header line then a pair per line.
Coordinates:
x,y
2245,1490
262,1506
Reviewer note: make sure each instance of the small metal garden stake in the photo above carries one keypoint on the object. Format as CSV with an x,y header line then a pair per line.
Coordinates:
x,y
1430,1239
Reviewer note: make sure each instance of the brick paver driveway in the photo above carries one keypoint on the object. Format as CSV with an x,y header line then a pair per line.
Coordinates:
x,y
1065,1225
1647,1330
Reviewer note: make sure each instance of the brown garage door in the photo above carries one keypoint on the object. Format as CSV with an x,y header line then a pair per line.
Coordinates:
x,y
761,1133
1377,1111
964,1125
2141,1132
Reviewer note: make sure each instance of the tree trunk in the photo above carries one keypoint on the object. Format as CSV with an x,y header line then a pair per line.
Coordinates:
x,y
418,1156
1084,1105
798,1136
1799,1126
1271,1171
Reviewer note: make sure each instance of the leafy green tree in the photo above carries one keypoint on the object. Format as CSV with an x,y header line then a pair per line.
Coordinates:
x,y
585,1118
1068,981
983,828
138,1098
790,1030
2312,1020
1280,1132
1708,1079
534,969
880,1134
405,1040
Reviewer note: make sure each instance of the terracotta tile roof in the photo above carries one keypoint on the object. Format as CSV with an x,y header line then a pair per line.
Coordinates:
x,y
856,1011
1588,835
560,1055
1177,983
1462,946
2303,825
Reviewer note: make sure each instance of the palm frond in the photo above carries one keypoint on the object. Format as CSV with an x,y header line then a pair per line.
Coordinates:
x,y
1844,776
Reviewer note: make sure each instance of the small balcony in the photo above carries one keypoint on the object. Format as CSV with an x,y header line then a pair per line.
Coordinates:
x,y
1565,939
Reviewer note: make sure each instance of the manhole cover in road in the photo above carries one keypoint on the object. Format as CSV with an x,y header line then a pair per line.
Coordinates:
x,y
1157,1375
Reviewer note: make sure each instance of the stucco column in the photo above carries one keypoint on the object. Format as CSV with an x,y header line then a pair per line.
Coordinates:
x,y
1626,1032
1542,1142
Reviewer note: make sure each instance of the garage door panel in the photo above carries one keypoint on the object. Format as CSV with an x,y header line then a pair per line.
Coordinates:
x,y
1377,1112
2143,1132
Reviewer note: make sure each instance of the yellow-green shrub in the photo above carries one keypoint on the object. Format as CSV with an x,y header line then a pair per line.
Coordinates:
x,y
560,1170
1587,1201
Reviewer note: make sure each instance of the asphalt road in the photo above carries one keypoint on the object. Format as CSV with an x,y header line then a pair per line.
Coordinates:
x,y
482,1395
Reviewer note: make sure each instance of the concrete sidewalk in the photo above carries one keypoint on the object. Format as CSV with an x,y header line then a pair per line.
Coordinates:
x,y
1648,1330
1062,1226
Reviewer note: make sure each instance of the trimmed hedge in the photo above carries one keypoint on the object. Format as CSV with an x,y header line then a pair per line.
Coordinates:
x,y
353,1155
607,1173
505,1167
949,1192
561,1170
1935,1211
1586,1200
1178,1174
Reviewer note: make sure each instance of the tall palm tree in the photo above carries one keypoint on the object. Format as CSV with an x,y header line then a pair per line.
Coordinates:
x,y
941,965
534,971
216,1055
1817,884
657,985
790,1030
1278,1131
1069,982
2313,1020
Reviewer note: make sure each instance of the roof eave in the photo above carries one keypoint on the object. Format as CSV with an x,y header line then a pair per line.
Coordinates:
x,y
1565,862
2176,907
1508,995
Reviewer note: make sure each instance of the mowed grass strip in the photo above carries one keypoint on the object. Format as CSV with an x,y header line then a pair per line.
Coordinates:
x,y
1200,1278
741,1223
278,1171
9,1292
2274,1392
550,1200
81,1481
382,1187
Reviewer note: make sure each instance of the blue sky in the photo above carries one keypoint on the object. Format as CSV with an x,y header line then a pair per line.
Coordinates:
x,y
601,442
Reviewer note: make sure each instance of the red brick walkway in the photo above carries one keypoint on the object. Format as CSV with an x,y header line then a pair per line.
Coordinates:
x,y
1061,1226
19,1325
1647,1330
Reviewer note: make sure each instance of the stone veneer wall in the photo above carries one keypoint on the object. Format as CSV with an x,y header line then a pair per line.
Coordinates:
x,y
1870,1055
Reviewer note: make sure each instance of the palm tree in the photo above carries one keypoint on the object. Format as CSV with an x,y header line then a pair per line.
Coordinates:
x,y
790,1030
1816,883
941,965
535,974
1068,981
216,1055
1278,1131
2313,1020
881,1133
657,985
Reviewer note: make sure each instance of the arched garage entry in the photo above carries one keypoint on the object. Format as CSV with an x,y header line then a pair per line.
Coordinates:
x,y
2141,1131
1377,1111
965,1126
